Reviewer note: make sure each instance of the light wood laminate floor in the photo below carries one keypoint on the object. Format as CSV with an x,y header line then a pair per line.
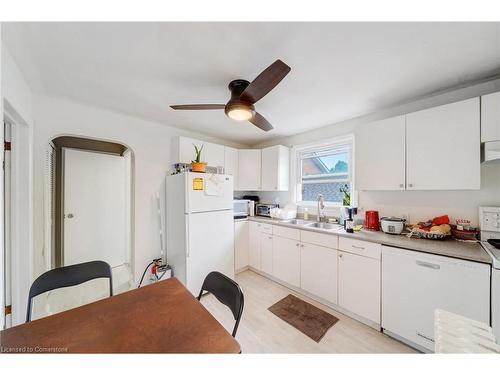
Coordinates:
x,y
261,331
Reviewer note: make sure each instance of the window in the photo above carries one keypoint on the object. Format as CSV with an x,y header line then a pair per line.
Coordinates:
x,y
324,169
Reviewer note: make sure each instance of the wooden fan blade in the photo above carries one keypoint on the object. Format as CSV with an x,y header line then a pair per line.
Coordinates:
x,y
198,106
265,82
259,121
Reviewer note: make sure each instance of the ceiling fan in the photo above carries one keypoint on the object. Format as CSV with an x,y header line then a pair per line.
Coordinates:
x,y
245,94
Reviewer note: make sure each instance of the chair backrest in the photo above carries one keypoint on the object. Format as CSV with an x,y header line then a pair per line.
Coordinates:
x,y
227,291
69,276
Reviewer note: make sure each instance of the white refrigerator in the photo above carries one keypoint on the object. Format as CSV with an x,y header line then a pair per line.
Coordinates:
x,y
199,226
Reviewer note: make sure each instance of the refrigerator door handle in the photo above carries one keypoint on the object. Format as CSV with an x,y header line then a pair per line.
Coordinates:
x,y
186,234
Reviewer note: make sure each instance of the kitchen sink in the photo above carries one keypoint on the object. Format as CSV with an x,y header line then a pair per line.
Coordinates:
x,y
296,222
323,226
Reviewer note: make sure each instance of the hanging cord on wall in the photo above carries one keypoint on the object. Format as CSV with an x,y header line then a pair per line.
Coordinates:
x,y
155,262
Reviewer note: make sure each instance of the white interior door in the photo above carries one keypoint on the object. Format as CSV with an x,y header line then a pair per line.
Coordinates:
x,y
94,208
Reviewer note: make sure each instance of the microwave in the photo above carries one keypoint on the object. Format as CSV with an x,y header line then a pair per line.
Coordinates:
x,y
241,208
264,209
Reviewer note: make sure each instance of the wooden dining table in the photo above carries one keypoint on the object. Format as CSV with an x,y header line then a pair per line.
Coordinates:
x,y
163,317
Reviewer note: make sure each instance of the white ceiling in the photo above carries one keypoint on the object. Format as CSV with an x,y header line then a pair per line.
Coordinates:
x,y
339,70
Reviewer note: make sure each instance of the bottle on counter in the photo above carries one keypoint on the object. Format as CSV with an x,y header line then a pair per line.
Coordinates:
x,y
306,213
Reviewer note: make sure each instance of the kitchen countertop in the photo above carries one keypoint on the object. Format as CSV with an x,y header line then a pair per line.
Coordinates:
x,y
450,247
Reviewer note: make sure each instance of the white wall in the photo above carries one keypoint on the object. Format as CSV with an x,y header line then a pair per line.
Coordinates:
x,y
418,205
151,146
16,90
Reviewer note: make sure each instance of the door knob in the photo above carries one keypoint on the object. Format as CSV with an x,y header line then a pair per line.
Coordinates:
x,y
70,216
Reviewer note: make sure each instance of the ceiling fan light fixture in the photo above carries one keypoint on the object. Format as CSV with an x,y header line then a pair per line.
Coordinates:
x,y
240,112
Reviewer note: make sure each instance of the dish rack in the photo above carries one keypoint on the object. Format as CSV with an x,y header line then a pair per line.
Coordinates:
x,y
419,233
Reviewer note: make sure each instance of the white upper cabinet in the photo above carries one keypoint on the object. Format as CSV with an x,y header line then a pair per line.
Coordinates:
x,y
443,147
380,155
490,117
214,154
231,164
275,168
249,169
183,151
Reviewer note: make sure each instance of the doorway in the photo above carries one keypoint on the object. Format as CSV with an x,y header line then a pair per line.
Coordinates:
x,y
17,202
7,204
89,209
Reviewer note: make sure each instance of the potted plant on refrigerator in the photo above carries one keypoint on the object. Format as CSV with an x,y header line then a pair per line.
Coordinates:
x,y
197,165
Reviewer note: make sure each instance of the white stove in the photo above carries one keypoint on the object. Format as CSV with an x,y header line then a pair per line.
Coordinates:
x,y
493,252
489,219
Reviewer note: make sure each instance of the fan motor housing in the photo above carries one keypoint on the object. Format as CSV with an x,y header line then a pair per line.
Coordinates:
x,y
237,87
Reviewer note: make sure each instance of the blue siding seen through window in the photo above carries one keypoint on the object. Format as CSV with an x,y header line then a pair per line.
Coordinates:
x,y
325,171
330,191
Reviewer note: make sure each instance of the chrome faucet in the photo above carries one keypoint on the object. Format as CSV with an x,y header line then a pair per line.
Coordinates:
x,y
321,206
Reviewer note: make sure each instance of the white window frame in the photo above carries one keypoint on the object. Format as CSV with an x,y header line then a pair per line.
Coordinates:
x,y
296,172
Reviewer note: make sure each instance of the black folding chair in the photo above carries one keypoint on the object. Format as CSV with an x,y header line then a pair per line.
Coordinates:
x,y
69,276
227,291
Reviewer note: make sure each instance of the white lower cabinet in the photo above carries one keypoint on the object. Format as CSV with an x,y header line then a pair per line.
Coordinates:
x,y
359,285
254,245
241,244
286,260
318,271
414,285
266,253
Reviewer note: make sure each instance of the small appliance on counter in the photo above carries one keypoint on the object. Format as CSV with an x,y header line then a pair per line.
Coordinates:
x,y
253,200
372,221
392,225
241,208
264,209
349,213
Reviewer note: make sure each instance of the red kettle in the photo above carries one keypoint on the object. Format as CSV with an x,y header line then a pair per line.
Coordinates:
x,y
372,220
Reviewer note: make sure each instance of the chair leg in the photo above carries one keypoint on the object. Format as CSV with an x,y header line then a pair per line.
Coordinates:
x,y
236,327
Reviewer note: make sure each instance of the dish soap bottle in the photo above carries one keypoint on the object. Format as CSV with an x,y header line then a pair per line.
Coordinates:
x,y
306,213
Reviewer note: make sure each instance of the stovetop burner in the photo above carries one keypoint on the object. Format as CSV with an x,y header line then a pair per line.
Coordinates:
x,y
495,242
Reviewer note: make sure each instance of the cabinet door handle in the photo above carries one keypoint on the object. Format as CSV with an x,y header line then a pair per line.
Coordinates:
x,y
410,185
401,185
428,265
341,255
270,237
358,247
297,244
302,245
